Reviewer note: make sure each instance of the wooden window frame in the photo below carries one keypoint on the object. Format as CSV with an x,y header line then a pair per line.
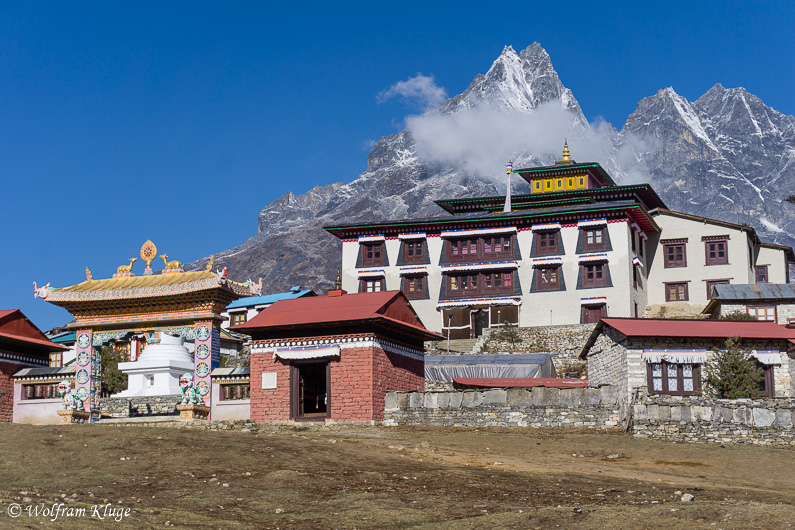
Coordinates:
x,y
600,281
672,263
419,293
364,281
765,277
679,378
542,246
485,283
239,318
454,248
710,261
377,250
667,292
753,310
542,285
713,283
414,251
601,231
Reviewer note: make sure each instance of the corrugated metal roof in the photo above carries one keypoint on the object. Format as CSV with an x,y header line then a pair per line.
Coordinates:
x,y
267,299
310,311
28,340
130,282
243,370
29,372
754,291
746,329
521,382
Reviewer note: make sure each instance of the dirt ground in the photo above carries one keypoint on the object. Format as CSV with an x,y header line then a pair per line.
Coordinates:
x,y
374,477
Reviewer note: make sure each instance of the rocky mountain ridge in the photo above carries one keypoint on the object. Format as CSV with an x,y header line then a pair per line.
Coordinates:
x,y
727,141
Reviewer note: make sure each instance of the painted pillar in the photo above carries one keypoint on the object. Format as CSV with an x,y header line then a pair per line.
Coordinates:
x,y
207,356
88,370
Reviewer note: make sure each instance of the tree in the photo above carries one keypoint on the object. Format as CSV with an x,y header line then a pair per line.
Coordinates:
x,y
113,379
791,199
732,374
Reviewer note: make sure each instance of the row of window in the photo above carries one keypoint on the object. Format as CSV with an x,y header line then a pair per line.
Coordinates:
x,y
684,379
716,252
546,243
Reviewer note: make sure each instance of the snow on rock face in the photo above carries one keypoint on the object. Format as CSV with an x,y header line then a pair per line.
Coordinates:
x,y
726,156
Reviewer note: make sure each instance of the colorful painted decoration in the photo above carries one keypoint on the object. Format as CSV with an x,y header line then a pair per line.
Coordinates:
x,y
83,341
202,351
82,393
202,333
148,252
82,376
202,369
202,388
70,400
190,395
82,358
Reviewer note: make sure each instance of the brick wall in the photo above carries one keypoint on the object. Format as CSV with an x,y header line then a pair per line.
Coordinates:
x,y
7,390
360,378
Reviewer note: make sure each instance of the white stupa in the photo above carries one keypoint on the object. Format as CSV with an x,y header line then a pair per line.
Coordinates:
x,y
157,370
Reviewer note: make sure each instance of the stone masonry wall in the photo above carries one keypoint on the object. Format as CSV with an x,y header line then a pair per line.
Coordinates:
x,y
7,370
703,420
784,311
595,408
564,343
139,406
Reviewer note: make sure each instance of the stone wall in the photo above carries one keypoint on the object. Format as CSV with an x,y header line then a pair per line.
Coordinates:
x,y
595,408
564,343
784,311
703,420
140,406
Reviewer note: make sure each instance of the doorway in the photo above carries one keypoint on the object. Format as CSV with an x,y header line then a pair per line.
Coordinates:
x,y
481,321
310,382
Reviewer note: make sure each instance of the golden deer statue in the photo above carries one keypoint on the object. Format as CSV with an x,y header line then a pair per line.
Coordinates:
x,y
170,265
124,268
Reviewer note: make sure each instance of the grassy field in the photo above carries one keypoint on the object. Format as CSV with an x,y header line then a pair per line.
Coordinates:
x,y
373,477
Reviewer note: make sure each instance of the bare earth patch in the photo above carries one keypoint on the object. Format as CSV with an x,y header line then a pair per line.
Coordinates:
x,y
374,477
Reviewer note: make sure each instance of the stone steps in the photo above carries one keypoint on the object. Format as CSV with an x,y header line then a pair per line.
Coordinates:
x,y
141,419
457,345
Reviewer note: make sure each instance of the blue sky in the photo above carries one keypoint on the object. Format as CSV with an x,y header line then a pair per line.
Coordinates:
x,y
179,121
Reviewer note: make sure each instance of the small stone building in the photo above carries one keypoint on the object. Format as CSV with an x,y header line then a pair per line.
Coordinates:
x,y
334,357
24,346
667,357
774,302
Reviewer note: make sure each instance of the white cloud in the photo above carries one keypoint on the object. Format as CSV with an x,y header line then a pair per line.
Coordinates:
x,y
420,90
478,141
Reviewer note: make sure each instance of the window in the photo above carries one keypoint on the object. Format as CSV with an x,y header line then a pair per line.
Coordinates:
x,y
676,292
768,381
716,250
372,285
414,286
485,284
762,312
593,239
239,318
234,392
673,379
372,254
414,251
713,283
56,359
494,246
548,278
636,281
472,249
593,275
590,314
675,255
547,243
761,274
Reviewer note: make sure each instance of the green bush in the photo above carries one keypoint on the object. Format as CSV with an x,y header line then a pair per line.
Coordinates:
x,y
732,374
738,315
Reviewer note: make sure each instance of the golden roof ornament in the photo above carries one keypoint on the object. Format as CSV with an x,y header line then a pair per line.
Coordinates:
x,y
338,281
88,274
566,154
148,253
210,263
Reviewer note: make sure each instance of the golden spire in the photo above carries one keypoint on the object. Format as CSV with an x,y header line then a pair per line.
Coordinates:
x,y
338,281
88,274
566,154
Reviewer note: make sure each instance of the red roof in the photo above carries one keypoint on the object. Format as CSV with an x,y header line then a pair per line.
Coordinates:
x,y
521,382
388,307
746,329
16,327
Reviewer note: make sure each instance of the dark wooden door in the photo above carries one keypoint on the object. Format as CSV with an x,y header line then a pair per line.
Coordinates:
x,y
481,321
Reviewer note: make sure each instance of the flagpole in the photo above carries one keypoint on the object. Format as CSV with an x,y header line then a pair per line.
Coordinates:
x,y
509,171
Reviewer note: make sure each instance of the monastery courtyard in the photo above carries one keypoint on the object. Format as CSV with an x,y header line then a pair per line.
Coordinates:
x,y
375,477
